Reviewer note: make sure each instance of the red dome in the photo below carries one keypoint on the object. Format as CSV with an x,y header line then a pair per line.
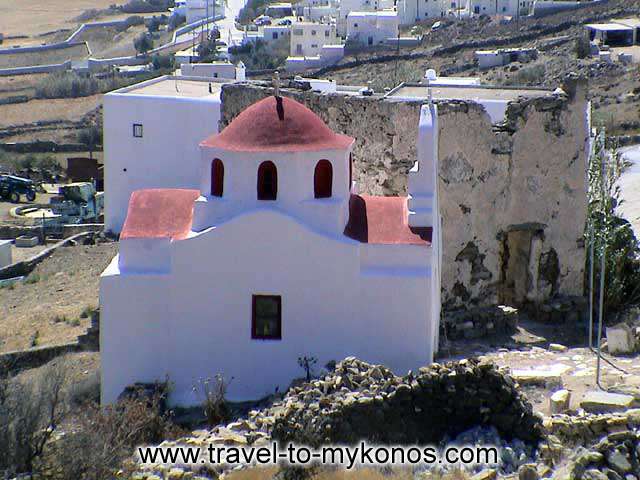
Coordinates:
x,y
277,125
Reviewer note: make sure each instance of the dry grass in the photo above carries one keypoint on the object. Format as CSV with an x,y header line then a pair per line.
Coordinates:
x,y
32,17
38,110
51,302
47,57
108,42
19,84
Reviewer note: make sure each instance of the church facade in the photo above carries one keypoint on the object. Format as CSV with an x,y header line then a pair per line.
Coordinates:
x,y
275,257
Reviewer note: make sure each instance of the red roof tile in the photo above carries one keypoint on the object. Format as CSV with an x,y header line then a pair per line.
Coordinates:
x,y
383,220
159,213
277,125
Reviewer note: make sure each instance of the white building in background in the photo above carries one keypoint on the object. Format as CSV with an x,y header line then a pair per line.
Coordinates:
x,y
412,11
279,10
372,28
199,9
221,70
151,134
348,6
272,258
507,8
308,38
504,56
274,33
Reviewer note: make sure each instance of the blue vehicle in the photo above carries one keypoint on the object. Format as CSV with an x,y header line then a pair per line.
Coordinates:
x,y
11,187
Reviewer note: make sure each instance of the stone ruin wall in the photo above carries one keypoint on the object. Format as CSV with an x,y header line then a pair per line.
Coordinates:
x,y
512,197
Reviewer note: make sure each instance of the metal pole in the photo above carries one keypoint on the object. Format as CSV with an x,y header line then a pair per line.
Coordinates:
x,y
591,280
601,312
604,207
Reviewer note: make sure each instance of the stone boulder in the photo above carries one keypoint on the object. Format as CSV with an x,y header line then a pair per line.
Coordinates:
x,y
615,456
621,339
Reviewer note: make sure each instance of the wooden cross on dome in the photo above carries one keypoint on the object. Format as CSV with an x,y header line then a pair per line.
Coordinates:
x,y
276,83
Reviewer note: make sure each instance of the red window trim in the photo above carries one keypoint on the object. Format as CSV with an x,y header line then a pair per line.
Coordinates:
x,y
254,334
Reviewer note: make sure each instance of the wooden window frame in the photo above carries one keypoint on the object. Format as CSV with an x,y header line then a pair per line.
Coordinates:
x,y
254,320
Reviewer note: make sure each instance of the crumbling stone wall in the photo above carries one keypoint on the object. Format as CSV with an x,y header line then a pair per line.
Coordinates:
x,y
523,180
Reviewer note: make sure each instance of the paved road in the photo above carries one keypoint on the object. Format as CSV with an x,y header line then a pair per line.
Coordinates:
x,y
630,188
228,31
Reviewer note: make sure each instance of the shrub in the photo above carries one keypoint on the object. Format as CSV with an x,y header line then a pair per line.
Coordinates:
x,y
213,393
533,75
33,278
146,6
86,391
582,47
87,312
260,56
72,85
611,235
30,413
103,438
161,62
176,20
91,136
143,43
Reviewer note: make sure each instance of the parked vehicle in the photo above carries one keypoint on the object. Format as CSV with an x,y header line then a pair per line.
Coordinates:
x,y
262,20
11,187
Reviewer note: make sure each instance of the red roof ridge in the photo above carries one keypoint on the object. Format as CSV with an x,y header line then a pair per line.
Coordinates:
x,y
160,213
383,220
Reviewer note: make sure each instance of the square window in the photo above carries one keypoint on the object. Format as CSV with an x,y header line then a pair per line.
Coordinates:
x,y
137,130
266,321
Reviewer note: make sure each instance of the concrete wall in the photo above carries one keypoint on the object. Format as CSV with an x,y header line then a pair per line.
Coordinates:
x,y
59,67
5,253
528,174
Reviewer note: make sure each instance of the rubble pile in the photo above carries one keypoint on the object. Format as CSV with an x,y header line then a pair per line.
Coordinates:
x,y
617,456
586,429
361,401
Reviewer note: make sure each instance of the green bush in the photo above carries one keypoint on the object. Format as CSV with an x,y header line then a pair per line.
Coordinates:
x,y
533,75
611,235
161,62
260,56
582,47
143,43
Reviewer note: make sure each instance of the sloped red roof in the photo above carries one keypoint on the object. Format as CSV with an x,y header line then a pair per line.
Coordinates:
x,y
160,213
277,125
383,220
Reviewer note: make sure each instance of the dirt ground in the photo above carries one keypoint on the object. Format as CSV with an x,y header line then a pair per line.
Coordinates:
x,y
47,109
33,17
47,308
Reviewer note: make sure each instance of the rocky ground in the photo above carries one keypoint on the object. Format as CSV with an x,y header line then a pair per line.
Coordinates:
x,y
358,400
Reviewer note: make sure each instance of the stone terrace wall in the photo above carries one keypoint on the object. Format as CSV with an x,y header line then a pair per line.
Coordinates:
x,y
524,179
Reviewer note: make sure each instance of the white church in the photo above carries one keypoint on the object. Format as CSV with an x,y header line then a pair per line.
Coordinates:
x,y
274,257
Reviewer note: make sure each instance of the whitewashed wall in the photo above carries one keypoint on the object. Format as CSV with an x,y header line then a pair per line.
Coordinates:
x,y
196,321
166,156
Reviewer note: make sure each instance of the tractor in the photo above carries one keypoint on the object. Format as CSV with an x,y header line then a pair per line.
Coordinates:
x,y
11,187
